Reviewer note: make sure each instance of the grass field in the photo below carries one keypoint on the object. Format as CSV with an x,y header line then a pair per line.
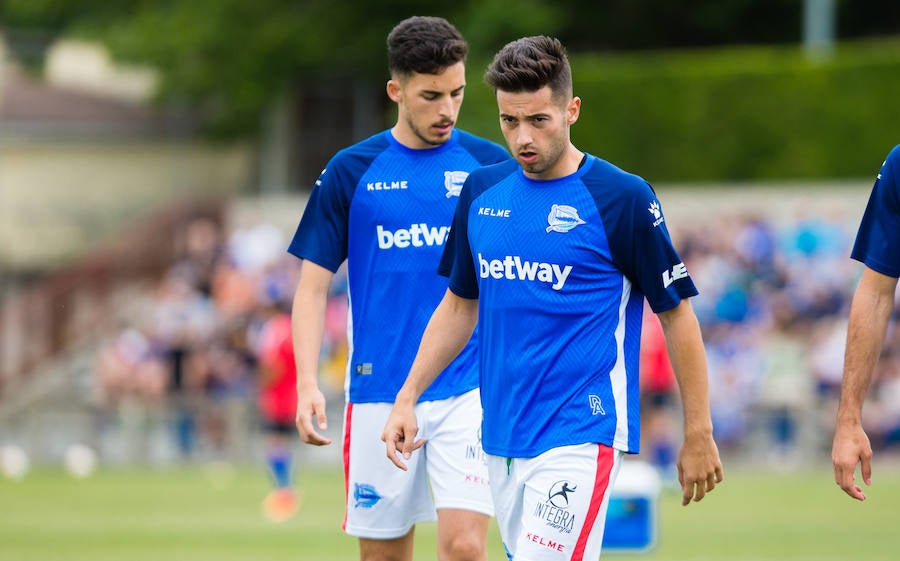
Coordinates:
x,y
213,514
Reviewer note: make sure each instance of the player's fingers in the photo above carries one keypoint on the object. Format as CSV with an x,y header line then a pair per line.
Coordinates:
x,y
865,465
390,444
843,476
854,491
710,482
308,433
409,442
687,492
316,439
321,416
700,490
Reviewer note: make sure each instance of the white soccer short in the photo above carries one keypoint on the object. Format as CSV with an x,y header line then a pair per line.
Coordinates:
x,y
553,506
384,502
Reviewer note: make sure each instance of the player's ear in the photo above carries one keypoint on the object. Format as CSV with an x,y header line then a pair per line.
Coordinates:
x,y
394,90
573,110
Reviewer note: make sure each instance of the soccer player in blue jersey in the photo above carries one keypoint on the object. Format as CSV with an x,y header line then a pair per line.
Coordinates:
x,y
553,255
385,205
878,248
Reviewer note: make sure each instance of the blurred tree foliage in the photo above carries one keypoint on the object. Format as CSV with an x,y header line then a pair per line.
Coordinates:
x,y
227,59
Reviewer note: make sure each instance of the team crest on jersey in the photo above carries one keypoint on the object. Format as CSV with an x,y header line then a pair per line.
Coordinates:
x,y
453,182
563,218
656,213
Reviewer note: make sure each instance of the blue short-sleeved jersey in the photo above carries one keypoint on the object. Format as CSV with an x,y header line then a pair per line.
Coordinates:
x,y
561,268
878,239
387,210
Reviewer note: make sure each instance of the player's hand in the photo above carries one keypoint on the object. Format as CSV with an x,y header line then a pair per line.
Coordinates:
x,y
311,403
699,467
399,434
851,446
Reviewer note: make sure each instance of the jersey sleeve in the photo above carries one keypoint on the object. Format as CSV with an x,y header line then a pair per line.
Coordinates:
x,y
456,260
643,250
878,238
321,236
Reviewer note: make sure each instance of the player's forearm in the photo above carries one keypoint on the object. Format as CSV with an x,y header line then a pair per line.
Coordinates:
x,y
449,329
307,331
685,346
867,326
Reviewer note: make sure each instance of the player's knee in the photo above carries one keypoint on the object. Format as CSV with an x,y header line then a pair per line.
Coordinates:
x,y
463,547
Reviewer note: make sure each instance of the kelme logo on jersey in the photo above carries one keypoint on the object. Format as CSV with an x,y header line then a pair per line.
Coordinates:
x,y
656,213
394,185
453,182
563,218
554,510
679,271
512,267
417,235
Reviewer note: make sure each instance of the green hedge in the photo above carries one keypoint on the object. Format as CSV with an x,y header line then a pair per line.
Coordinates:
x,y
736,114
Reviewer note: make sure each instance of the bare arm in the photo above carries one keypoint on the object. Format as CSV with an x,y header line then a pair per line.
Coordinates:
x,y
869,315
699,466
308,326
449,329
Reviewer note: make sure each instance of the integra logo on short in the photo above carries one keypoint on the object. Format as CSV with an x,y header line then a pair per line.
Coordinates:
x,y
417,235
512,267
554,511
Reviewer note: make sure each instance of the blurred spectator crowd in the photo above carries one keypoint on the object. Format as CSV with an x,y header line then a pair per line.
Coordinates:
x,y
773,305
773,309
189,352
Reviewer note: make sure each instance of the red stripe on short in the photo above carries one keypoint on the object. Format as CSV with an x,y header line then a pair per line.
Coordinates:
x,y
347,419
605,459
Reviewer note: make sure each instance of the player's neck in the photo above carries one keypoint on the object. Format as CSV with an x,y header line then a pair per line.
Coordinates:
x,y
569,162
408,138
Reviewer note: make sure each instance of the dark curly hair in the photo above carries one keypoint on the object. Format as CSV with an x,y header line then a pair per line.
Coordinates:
x,y
529,64
424,45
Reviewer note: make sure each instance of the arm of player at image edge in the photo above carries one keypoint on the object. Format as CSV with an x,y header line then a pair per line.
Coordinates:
x,y
308,327
870,312
449,329
699,465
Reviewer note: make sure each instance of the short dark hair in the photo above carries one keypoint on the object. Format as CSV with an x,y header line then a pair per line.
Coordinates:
x,y
529,64
425,45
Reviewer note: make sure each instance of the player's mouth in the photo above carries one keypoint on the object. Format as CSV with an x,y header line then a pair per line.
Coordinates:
x,y
528,157
443,128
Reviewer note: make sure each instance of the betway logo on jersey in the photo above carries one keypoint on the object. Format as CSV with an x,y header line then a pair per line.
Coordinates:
x,y
417,235
512,267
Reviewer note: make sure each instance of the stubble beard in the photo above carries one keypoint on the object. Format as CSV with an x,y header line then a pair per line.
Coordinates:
x,y
422,136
